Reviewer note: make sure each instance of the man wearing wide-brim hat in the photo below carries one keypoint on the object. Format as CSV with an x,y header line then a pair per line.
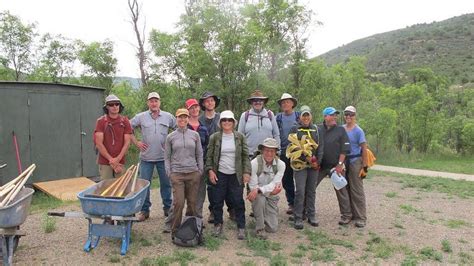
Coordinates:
x,y
258,123
286,119
265,184
112,138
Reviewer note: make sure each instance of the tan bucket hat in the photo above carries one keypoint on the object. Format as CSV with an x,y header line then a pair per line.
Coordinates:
x,y
257,94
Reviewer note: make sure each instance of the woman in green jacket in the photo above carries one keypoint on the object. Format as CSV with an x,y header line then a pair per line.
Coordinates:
x,y
228,168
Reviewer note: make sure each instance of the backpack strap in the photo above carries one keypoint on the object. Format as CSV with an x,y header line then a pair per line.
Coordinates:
x,y
269,115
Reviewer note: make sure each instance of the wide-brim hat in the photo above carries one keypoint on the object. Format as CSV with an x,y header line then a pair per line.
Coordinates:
x,y
257,94
206,95
287,96
227,114
112,98
269,143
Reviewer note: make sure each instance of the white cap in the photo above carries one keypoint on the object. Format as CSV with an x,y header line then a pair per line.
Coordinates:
x,y
350,108
153,95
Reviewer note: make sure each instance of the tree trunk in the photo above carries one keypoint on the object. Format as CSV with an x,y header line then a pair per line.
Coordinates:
x,y
141,54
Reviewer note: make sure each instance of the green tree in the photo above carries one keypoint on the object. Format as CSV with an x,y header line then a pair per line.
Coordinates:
x,y
381,124
57,56
468,137
16,41
99,63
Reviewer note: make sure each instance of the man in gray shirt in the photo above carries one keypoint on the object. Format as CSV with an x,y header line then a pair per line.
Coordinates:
x,y
155,124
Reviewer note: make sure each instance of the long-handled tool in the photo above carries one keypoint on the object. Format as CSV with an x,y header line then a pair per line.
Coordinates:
x,y
17,152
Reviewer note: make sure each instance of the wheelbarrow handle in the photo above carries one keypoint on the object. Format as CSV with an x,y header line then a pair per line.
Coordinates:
x,y
58,214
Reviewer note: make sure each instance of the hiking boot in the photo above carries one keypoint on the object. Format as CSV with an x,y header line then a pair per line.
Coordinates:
x,y
167,228
166,212
344,221
299,224
260,234
211,218
360,224
291,218
252,214
142,216
289,211
217,230
241,234
313,222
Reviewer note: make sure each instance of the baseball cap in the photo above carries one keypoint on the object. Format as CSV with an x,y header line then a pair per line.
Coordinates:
x,y
153,95
305,110
191,102
330,111
350,108
182,111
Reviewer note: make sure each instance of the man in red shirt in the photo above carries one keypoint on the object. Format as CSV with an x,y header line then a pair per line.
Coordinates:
x,y
112,138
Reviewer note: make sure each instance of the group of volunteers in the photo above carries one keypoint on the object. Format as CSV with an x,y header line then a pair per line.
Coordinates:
x,y
197,153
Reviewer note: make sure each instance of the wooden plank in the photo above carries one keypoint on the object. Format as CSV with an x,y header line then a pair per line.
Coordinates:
x,y
64,189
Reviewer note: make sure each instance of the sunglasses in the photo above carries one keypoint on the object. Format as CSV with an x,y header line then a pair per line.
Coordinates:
x,y
257,100
227,120
349,114
113,104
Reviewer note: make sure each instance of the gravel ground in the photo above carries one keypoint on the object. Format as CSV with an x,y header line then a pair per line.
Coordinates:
x,y
401,222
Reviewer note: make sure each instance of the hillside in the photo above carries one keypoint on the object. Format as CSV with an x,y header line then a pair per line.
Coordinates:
x,y
446,46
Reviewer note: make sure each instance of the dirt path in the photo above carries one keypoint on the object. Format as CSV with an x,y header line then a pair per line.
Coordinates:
x,y
421,172
405,224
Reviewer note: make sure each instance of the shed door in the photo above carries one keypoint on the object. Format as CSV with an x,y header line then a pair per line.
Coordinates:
x,y
55,135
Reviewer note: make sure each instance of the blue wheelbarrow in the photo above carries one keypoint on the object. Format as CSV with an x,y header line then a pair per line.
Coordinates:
x,y
117,214
11,217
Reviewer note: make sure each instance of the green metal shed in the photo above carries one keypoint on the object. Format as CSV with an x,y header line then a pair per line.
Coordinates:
x,y
53,124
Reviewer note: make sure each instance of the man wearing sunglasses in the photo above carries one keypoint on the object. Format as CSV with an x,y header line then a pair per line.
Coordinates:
x,y
336,146
258,123
112,138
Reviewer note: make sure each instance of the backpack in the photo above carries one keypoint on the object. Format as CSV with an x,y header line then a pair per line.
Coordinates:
x,y
189,233
279,118
269,115
260,166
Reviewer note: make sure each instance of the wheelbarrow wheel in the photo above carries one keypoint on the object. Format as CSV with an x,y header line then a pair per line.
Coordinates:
x,y
16,240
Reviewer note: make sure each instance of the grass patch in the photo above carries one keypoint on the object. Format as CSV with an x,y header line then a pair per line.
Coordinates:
x,y
466,258
391,194
456,223
437,162
48,224
262,247
460,188
211,242
114,259
429,253
410,260
41,202
446,246
380,247
248,263
325,255
179,257
407,209
278,260
320,239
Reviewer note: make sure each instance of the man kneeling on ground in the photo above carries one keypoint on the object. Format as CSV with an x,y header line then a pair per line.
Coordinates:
x,y
265,184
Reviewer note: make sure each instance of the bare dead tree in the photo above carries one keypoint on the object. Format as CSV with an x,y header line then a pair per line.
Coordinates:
x,y
135,12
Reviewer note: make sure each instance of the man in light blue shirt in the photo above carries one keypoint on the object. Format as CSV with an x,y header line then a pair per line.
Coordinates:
x,y
155,124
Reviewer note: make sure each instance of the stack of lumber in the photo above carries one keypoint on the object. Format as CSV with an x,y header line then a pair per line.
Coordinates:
x,y
10,190
117,188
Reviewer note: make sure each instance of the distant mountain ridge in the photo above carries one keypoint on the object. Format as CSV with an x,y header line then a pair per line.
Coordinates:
x,y
446,46
134,82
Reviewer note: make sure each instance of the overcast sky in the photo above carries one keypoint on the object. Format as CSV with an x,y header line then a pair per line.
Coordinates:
x,y
344,21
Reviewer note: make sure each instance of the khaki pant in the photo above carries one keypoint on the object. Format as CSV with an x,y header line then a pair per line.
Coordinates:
x,y
185,187
107,172
355,187
342,196
265,210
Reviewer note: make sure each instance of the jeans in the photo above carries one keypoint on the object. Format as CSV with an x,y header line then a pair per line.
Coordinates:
x,y
228,186
288,181
146,172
